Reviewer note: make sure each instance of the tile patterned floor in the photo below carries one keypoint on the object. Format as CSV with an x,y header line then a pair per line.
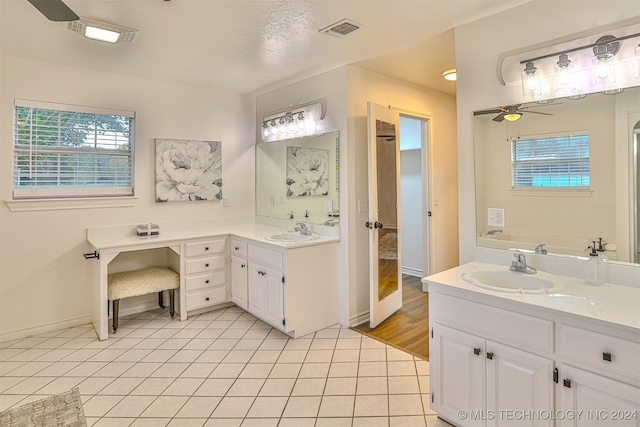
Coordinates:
x,y
223,368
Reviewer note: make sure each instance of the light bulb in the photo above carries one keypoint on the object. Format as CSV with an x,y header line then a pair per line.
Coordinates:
x,y
530,83
301,121
564,72
638,62
273,128
281,126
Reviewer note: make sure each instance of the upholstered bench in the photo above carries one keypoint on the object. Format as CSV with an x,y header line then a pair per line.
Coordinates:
x,y
141,282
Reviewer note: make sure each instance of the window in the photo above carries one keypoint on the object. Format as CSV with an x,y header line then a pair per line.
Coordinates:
x,y
551,162
71,151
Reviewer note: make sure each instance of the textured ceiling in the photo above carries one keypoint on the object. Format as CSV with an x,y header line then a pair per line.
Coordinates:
x,y
251,45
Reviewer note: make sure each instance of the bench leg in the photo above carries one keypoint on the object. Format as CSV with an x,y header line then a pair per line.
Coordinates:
x,y
160,299
172,310
116,306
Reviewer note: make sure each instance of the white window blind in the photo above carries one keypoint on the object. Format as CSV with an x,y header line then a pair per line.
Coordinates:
x,y
71,151
551,162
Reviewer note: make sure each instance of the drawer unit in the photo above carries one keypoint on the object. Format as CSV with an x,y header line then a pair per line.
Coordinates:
x,y
194,266
266,256
603,352
203,281
205,273
205,248
238,248
205,298
495,323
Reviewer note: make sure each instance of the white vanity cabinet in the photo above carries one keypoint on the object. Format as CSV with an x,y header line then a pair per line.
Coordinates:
x,y
483,374
205,273
294,289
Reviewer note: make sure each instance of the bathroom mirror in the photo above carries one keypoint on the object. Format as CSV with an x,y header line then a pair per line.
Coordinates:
x,y
543,149
299,176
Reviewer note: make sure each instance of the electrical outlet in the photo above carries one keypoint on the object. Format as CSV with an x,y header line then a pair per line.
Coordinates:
x,y
495,217
226,202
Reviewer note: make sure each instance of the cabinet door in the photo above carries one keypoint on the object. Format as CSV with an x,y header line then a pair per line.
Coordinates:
x,y
239,280
519,386
457,375
256,290
596,401
274,298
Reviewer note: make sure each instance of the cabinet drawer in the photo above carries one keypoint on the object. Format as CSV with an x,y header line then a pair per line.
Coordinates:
x,y
203,281
205,248
206,298
200,265
602,351
265,256
492,322
238,248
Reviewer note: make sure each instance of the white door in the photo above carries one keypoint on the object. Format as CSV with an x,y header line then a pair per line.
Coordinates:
x,y
239,282
518,381
274,298
384,213
596,401
256,289
458,384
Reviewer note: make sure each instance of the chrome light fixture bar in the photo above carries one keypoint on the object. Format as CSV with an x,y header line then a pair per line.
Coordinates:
x,y
299,120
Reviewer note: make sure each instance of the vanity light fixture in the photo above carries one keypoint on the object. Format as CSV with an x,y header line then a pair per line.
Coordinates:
x,y
102,31
450,75
602,66
297,121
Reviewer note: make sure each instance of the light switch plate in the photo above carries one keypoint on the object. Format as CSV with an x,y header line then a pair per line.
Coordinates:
x,y
363,206
495,217
328,205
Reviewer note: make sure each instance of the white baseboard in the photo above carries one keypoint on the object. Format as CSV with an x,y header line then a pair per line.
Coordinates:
x,y
359,319
42,329
412,272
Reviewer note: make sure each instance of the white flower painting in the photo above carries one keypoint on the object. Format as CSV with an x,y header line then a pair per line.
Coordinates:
x,y
188,170
307,172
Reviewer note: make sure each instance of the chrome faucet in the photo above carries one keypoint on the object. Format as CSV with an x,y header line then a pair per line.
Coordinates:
x,y
302,228
521,264
540,249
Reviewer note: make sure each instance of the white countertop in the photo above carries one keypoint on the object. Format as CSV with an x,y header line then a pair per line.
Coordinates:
x,y
610,303
125,236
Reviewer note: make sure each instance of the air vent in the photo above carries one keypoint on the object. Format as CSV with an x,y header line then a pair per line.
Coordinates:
x,y
341,28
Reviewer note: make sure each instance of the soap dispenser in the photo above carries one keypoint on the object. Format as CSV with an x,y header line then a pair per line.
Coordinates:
x,y
593,267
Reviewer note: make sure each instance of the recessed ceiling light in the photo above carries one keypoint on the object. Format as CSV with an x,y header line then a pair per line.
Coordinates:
x,y
450,75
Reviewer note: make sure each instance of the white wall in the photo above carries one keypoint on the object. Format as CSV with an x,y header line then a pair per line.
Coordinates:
x,y
44,280
411,197
478,46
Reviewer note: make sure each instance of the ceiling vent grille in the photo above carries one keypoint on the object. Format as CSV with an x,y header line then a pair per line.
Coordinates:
x,y
126,35
341,28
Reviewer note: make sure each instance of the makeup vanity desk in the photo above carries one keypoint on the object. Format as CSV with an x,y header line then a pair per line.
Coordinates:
x,y
291,286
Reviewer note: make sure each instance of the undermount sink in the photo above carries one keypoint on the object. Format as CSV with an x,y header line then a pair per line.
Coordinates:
x,y
511,281
290,236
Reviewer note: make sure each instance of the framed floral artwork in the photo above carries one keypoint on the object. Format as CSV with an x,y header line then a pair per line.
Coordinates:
x,y
307,172
188,170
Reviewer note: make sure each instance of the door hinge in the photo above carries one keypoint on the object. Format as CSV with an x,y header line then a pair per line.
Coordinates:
x,y
432,397
282,279
432,332
284,322
555,375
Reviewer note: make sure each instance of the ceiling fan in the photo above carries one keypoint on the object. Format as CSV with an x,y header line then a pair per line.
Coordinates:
x,y
55,10
510,113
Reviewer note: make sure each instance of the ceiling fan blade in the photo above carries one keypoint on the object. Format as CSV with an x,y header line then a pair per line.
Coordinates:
x,y
499,117
55,10
493,111
538,112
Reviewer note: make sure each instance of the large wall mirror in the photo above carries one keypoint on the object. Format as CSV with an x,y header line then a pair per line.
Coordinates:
x,y
299,176
564,174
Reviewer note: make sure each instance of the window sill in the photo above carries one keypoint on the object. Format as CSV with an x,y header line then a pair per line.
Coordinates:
x,y
552,193
71,203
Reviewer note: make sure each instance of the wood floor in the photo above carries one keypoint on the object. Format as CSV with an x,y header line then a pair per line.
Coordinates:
x,y
408,328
